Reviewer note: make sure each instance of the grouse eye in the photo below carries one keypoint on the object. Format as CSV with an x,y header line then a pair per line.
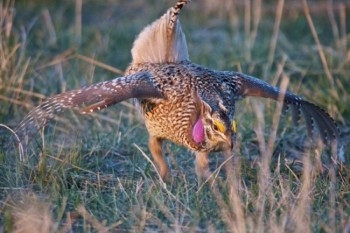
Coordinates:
x,y
219,126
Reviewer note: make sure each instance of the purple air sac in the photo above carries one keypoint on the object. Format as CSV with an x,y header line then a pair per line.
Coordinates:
x,y
198,131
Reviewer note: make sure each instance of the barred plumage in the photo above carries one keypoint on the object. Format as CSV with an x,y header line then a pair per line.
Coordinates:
x,y
99,95
182,102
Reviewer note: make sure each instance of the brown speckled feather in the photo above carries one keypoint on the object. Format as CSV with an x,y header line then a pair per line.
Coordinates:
x,y
95,97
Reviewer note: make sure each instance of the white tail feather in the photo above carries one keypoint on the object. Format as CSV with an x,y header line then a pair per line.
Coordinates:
x,y
154,45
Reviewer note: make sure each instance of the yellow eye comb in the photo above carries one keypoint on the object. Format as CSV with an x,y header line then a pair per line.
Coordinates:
x,y
220,126
234,126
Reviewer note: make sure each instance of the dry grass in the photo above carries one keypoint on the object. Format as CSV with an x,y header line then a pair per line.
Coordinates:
x,y
30,215
88,174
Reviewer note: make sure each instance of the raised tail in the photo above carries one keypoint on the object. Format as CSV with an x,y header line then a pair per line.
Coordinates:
x,y
163,41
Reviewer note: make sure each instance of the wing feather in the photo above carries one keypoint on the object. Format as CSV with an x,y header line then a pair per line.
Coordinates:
x,y
249,86
96,97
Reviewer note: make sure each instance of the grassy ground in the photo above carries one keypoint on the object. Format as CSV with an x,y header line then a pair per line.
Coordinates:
x,y
90,173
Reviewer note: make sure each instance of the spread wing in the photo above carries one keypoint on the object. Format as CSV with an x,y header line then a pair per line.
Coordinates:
x,y
94,97
249,86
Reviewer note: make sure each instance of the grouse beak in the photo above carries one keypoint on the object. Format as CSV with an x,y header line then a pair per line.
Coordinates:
x,y
227,143
230,141
233,140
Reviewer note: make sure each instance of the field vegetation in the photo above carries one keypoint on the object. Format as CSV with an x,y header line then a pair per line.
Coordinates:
x,y
93,173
